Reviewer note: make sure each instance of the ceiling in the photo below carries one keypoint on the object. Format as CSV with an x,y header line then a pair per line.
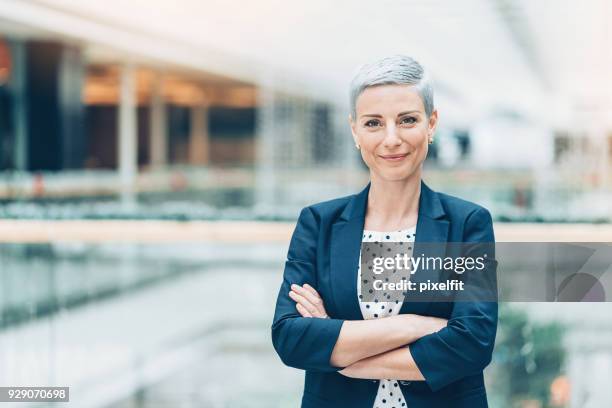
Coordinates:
x,y
542,60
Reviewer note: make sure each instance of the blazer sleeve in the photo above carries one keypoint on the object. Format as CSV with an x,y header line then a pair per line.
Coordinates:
x,y
465,346
304,343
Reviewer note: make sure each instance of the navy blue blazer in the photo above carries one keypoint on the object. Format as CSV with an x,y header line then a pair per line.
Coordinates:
x,y
324,252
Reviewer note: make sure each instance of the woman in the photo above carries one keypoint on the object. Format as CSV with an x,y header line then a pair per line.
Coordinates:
x,y
376,352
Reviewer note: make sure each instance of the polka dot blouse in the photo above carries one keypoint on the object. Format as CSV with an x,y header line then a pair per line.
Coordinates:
x,y
389,393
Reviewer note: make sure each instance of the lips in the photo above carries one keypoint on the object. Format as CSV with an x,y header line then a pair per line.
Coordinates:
x,y
394,157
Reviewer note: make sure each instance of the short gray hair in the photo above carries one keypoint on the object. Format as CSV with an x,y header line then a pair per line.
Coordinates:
x,y
393,70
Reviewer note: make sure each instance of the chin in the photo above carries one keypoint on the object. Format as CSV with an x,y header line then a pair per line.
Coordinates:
x,y
396,175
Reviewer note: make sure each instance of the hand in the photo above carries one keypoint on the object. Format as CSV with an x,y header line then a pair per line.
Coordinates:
x,y
308,301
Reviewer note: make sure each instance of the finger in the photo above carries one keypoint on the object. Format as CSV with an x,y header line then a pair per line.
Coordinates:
x,y
304,302
311,290
315,300
300,299
302,310
319,301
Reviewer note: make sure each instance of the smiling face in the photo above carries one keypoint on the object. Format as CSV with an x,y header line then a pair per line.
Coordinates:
x,y
393,131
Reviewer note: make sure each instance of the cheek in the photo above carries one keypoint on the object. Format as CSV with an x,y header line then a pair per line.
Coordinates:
x,y
369,142
415,136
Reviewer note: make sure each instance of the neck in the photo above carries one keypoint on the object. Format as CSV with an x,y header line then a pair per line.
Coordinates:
x,y
393,204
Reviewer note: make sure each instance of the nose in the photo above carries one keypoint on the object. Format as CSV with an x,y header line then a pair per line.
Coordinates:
x,y
392,139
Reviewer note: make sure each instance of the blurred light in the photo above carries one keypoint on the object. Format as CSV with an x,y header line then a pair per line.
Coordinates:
x,y
560,391
102,88
5,62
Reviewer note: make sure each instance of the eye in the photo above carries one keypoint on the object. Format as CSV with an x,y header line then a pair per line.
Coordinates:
x,y
372,123
408,120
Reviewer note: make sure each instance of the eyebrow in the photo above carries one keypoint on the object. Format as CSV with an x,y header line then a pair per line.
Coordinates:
x,y
375,115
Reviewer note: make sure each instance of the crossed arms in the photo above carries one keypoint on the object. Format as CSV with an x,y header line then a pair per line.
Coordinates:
x,y
371,348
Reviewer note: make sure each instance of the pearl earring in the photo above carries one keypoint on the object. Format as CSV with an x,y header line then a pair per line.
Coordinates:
x,y
357,146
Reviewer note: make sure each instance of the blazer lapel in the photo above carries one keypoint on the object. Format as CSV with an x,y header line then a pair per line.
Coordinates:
x,y
432,227
345,247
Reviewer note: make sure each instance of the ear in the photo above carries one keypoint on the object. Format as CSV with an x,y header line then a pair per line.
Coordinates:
x,y
433,122
353,126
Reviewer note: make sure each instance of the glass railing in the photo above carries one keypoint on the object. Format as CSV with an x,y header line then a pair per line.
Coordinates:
x,y
185,193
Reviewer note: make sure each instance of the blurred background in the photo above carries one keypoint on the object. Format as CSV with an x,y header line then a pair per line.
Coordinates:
x,y
154,156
